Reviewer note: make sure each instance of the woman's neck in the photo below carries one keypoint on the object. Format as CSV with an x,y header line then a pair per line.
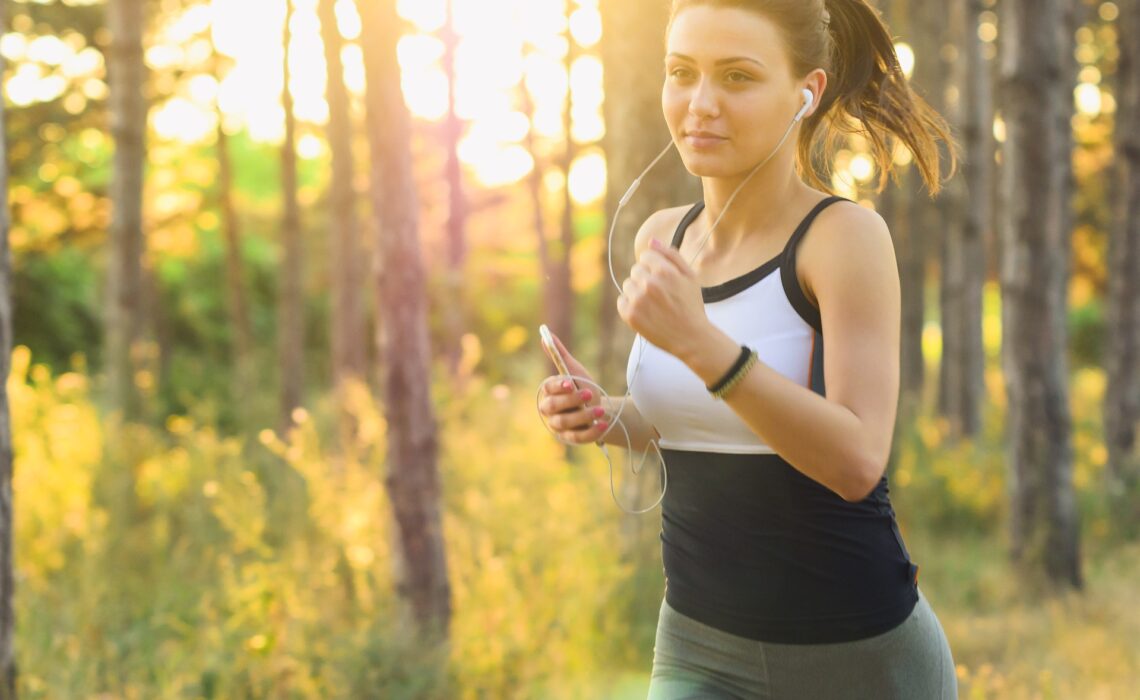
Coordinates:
x,y
757,210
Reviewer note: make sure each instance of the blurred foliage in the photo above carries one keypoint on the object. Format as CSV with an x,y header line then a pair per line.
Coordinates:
x,y
173,561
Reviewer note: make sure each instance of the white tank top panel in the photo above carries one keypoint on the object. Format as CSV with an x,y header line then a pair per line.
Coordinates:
x,y
764,309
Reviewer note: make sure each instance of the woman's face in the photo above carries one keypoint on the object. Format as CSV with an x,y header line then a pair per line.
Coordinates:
x,y
729,94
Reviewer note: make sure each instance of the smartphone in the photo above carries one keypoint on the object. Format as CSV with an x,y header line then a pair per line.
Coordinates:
x,y
552,351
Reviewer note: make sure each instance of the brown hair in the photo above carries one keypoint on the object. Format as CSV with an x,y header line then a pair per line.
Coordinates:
x,y
866,85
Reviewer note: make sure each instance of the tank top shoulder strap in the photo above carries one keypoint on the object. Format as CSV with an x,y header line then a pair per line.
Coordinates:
x,y
687,219
808,311
798,234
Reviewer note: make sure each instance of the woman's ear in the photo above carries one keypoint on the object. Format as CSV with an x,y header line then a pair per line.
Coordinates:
x,y
816,81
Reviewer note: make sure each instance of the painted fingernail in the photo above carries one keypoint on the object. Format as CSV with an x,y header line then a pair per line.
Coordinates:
x,y
599,411
586,394
603,424
566,384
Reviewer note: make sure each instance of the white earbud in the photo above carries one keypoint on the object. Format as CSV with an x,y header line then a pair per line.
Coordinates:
x,y
809,100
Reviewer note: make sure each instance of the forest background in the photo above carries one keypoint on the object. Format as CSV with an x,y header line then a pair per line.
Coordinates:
x,y
275,274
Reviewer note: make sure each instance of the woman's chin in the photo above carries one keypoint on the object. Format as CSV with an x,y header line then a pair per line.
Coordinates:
x,y
703,167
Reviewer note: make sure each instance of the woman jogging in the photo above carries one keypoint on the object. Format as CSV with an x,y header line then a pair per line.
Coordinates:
x,y
766,367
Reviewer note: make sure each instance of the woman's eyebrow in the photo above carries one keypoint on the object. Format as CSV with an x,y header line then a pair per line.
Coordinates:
x,y
721,62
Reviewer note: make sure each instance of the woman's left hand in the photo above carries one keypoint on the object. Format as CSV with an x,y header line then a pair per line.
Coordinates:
x,y
661,300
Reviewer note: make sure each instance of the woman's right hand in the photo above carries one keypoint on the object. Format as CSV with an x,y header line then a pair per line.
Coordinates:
x,y
574,414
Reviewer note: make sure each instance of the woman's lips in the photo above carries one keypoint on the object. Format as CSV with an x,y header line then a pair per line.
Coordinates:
x,y
703,139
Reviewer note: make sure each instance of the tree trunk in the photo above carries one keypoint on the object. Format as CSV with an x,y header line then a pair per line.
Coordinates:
x,y
561,312
346,272
896,204
235,277
538,210
7,564
413,451
1122,351
453,314
291,336
893,212
128,113
962,385
925,230
1036,44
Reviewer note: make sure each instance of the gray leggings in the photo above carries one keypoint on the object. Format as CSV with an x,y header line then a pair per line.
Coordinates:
x,y
911,661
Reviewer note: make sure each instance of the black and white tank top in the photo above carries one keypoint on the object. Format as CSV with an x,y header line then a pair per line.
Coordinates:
x,y
751,545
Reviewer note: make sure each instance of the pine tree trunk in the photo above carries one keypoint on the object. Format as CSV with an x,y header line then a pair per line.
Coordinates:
x,y
454,319
291,337
1036,44
235,277
978,177
128,113
538,211
926,230
963,261
7,563
1122,349
412,482
561,317
346,272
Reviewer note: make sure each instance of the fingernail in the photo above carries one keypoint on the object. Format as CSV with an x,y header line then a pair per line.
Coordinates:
x,y
586,395
603,424
654,244
566,384
599,411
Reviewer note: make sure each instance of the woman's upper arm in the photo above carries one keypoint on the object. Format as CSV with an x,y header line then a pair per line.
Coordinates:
x,y
853,274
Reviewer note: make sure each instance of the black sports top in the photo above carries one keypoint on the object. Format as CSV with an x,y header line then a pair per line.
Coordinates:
x,y
750,545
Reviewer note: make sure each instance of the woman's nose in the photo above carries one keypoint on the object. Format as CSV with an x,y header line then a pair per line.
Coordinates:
x,y
702,101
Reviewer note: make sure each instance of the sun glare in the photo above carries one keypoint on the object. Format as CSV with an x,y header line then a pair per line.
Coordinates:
x,y
503,48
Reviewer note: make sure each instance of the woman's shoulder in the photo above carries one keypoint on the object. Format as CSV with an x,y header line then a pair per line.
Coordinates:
x,y
661,225
844,233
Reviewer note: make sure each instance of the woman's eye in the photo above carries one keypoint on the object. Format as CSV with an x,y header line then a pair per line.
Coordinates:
x,y
679,73
736,76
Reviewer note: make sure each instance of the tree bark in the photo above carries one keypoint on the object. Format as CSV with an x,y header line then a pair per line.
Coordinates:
x,y
962,385
1036,44
235,277
926,225
894,204
126,74
897,208
561,312
1122,350
454,320
291,338
538,210
413,451
7,563
346,272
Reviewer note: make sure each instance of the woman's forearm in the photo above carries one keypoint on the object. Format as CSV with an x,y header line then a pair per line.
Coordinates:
x,y
640,430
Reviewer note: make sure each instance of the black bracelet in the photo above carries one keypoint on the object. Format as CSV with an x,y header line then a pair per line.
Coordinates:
x,y
745,353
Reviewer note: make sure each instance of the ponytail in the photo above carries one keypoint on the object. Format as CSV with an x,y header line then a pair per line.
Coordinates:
x,y
867,92
871,96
